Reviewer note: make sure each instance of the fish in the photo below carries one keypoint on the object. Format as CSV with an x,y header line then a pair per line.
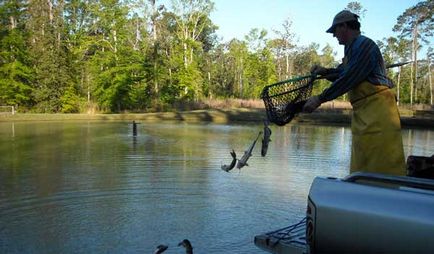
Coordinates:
x,y
243,161
228,168
187,245
266,139
160,249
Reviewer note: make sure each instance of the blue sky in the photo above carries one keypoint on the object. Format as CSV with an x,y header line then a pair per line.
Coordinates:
x,y
310,18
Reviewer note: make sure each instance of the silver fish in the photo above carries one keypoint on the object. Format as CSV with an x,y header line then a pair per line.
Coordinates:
x,y
243,161
228,168
266,139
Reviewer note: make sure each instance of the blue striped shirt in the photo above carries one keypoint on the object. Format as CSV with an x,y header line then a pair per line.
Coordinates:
x,y
364,62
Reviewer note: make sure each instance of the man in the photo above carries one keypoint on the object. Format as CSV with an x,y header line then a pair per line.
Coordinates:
x,y
375,125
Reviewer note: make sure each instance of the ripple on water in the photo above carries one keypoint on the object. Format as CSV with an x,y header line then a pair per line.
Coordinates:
x,y
96,189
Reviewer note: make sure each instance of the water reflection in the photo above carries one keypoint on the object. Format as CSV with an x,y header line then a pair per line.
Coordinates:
x,y
417,142
87,187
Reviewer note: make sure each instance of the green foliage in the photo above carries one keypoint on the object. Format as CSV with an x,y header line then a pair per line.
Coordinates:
x,y
117,87
14,84
420,16
70,101
63,56
15,71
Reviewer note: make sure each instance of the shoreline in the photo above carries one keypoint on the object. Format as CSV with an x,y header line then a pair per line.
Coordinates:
x,y
222,116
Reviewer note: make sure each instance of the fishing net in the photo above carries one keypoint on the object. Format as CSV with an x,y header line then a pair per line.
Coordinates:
x,y
285,99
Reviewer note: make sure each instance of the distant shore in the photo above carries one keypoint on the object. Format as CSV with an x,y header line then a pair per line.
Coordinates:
x,y
421,119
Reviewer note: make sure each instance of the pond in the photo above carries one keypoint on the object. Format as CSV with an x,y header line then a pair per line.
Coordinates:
x,y
93,187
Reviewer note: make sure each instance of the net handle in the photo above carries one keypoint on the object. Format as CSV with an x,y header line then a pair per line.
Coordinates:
x,y
316,76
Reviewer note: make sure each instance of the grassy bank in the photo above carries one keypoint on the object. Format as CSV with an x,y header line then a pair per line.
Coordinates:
x,y
203,115
228,111
216,116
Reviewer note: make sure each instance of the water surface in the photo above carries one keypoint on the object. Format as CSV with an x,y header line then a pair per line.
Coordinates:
x,y
92,187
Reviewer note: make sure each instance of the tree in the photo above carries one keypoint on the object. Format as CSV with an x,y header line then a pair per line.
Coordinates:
x,y
356,8
156,13
50,54
116,63
417,23
327,59
190,24
15,71
429,58
79,17
193,28
283,48
395,50
425,79
259,66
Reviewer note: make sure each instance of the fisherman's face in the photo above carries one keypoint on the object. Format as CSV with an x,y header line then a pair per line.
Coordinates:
x,y
341,33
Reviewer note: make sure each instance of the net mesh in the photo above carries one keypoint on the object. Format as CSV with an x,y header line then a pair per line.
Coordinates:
x,y
285,99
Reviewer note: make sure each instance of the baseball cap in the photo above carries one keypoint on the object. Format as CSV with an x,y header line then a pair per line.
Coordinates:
x,y
342,17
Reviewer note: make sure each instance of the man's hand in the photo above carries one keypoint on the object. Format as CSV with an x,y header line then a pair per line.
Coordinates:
x,y
311,104
319,70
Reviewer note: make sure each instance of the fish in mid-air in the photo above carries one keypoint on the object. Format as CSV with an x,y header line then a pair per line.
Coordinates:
x,y
229,167
243,161
266,139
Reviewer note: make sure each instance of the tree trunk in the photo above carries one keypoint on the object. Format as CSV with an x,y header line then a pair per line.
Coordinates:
x,y
279,69
209,84
115,39
430,80
241,78
414,66
88,87
287,66
50,14
170,69
291,67
154,23
415,54
12,22
156,88
185,55
411,85
136,43
398,85
154,37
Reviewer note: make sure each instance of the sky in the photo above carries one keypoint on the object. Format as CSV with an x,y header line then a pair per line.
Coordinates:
x,y
310,18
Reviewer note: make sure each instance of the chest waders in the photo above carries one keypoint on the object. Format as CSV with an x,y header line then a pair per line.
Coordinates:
x,y
376,130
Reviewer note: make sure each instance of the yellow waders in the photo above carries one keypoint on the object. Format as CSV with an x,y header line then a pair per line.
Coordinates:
x,y
376,131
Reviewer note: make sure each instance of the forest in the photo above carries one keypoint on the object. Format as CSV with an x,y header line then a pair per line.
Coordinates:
x,y
70,56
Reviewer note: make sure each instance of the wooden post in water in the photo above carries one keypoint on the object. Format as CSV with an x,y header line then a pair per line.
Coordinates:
x,y
134,128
